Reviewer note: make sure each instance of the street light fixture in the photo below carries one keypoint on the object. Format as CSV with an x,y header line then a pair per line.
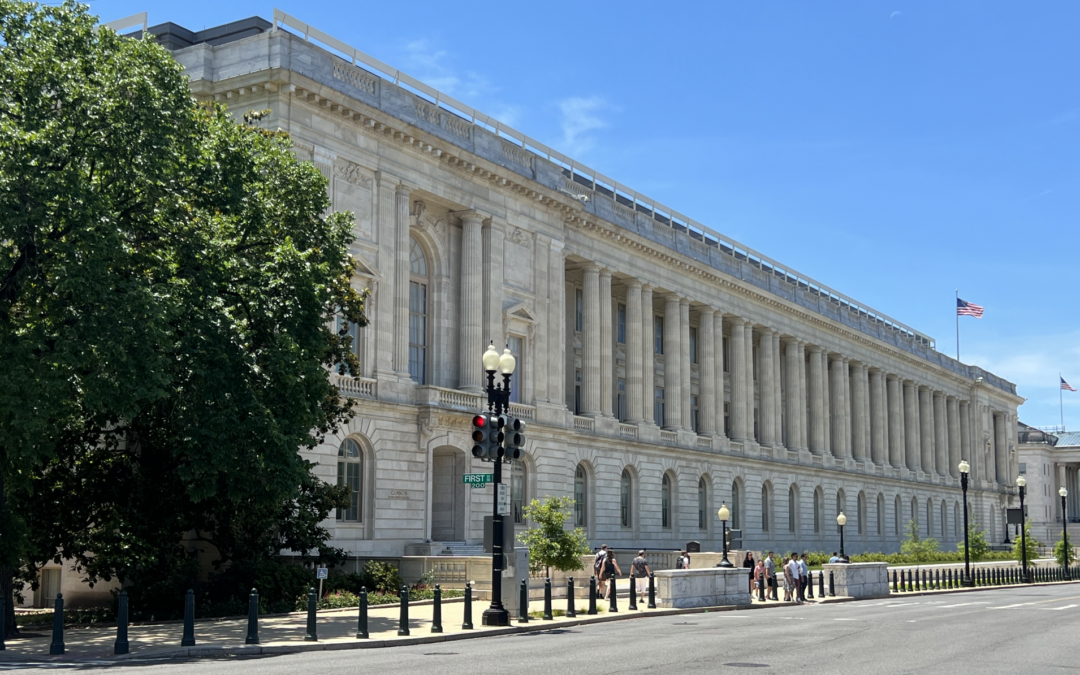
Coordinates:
x,y
498,402
841,520
965,469
1021,484
724,514
1064,530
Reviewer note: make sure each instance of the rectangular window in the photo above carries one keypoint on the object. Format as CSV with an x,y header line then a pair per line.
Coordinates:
x,y
349,476
727,422
620,401
658,334
353,332
658,406
694,413
577,391
754,361
579,310
620,323
517,386
1023,467
693,344
726,348
756,438
418,331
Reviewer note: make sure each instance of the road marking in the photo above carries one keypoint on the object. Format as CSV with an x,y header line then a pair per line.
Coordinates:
x,y
964,604
902,604
1056,609
845,619
1019,604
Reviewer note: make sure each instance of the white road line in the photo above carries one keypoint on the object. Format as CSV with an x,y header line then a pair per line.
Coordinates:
x,y
1019,604
1056,609
964,604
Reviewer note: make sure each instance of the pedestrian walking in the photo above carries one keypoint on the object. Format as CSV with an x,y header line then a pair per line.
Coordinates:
x,y
770,575
788,584
834,558
749,565
611,570
802,573
759,578
639,570
683,561
793,571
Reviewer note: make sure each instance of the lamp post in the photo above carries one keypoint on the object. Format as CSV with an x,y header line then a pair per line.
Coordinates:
x,y
841,520
498,402
1021,484
965,468
1064,530
724,514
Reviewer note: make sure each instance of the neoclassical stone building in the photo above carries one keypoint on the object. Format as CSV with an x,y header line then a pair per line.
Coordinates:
x,y
663,368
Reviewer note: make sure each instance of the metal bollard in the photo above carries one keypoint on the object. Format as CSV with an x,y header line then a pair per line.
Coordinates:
x,y
570,611
832,586
652,591
253,619
57,646
895,585
924,580
523,602
547,599
361,619
592,595
633,592
937,579
613,605
436,609
121,646
188,640
761,589
467,623
403,616
911,581
810,586
312,605
821,585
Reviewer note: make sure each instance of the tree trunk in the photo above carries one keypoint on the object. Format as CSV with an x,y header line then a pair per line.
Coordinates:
x,y
7,573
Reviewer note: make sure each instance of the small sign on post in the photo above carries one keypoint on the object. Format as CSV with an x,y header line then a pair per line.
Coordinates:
x,y
476,480
503,497
321,573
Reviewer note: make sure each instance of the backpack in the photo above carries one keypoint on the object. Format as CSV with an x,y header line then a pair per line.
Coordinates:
x,y
678,563
598,564
609,564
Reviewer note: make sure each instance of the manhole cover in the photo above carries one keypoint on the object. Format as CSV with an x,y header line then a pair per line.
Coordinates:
x,y
747,665
440,653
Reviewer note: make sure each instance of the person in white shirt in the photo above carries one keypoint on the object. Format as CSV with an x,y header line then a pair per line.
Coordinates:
x,y
804,577
795,570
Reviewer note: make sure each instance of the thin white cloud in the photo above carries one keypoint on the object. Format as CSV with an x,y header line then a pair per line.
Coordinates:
x,y
432,66
580,116
894,15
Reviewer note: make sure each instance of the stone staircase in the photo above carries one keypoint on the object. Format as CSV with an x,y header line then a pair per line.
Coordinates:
x,y
460,548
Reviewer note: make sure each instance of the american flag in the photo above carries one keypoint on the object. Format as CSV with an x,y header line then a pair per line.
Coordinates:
x,y
965,308
1065,385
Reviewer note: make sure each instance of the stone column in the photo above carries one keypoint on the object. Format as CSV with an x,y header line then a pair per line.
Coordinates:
x,y
926,429
817,401
472,345
953,414
635,394
895,404
401,281
684,364
941,435
739,378
590,341
878,427
826,402
493,235
672,368
766,423
965,435
911,425
607,343
778,394
707,372
1001,451
803,407
556,328
859,427
648,356
385,300
718,348
748,354
791,401
839,407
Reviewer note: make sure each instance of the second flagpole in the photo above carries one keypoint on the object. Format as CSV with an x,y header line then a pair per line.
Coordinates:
x,y
957,313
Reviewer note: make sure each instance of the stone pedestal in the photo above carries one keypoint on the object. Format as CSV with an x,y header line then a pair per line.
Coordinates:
x,y
860,580
708,587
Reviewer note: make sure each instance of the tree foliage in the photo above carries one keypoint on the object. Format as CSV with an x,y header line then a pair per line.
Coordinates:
x,y
166,276
920,550
550,544
1063,547
978,548
1033,545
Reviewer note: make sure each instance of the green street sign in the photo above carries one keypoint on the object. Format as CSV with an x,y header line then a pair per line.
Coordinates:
x,y
477,480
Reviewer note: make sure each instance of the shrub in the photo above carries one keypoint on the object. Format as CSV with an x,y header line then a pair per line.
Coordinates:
x,y
980,550
1033,545
1062,546
919,550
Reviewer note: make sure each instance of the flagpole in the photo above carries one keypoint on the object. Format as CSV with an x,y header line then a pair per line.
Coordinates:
x,y
1061,401
957,323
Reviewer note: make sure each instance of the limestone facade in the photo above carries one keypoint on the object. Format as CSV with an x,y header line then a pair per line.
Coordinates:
x,y
662,368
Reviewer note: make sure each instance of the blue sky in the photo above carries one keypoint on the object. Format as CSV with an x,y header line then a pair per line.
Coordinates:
x,y
893,150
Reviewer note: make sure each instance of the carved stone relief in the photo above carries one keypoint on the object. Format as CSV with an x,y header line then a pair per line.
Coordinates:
x,y
352,191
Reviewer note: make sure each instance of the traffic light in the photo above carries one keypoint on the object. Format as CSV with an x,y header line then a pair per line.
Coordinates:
x,y
515,438
481,423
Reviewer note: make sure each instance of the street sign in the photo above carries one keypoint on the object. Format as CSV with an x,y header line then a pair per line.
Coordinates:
x,y
322,573
477,480
503,497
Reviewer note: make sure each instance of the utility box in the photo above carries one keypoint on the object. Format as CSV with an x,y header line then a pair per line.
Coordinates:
x,y
693,547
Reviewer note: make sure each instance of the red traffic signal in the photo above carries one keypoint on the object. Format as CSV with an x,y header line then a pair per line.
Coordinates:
x,y
479,421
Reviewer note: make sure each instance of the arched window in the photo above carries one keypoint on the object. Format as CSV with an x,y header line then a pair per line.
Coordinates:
x,y
518,497
765,511
736,509
944,518
792,501
819,505
880,514
418,313
625,487
665,502
702,504
581,496
861,513
897,515
841,502
350,472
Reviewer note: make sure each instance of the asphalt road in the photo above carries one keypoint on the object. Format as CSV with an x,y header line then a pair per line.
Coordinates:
x,y
1029,630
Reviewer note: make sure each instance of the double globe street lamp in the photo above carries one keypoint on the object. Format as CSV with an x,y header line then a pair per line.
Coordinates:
x,y
965,468
841,520
1021,484
724,514
1065,531
498,399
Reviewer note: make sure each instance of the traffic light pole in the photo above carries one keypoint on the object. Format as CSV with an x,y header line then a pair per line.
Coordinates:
x,y
496,614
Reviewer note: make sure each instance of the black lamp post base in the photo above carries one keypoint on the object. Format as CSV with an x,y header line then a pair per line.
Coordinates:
x,y
724,563
495,617
967,583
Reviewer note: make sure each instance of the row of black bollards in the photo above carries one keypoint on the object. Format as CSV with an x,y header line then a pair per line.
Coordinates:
x,y
571,611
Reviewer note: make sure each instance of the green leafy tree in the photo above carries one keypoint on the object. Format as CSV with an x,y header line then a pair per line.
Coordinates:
x,y
550,544
920,550
166,276
1033,545
1063,546
977,541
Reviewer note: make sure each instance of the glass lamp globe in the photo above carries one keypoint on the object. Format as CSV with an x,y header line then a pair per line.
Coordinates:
x,y
1021,481
724,513
507,362
841,519
964,466
1063,492
491,359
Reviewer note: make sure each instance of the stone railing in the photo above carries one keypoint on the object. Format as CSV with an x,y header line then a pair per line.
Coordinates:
x,y
704,442
452,398
584,423
669,437
628,431
360,387
525,412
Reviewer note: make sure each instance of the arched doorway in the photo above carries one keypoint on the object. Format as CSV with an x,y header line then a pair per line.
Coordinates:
x,y
447,495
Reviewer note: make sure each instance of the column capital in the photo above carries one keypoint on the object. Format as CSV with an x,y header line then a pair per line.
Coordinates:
x,y
683,300
605,272
557,245
707,311
738,321
634,283
404,188
646,286
950,397
814,349
591,267
471,215
923,387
